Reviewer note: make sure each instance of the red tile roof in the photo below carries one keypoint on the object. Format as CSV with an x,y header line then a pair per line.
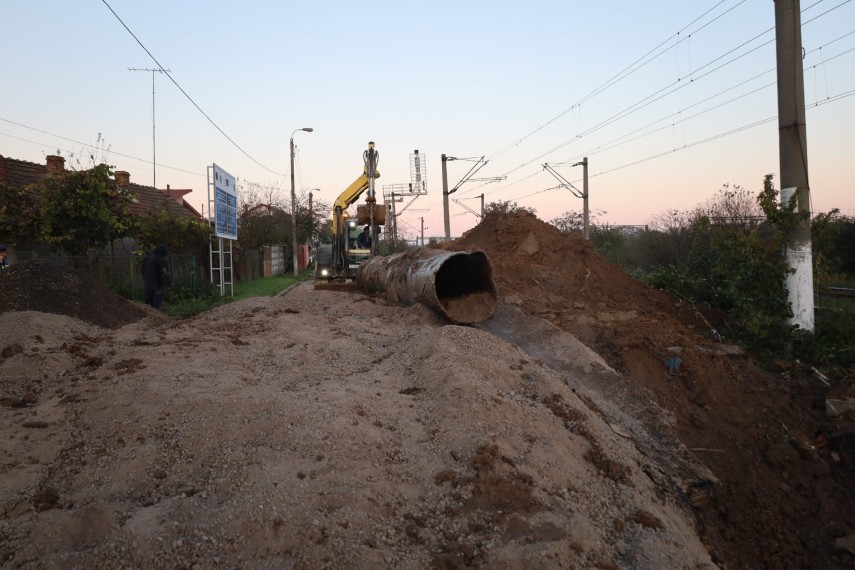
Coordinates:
x,y
19,173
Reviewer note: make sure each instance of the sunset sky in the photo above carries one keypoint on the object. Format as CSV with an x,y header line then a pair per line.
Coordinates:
x,y
669,99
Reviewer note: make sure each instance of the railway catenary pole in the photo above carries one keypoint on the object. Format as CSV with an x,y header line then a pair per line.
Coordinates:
x,y
585,211
445,198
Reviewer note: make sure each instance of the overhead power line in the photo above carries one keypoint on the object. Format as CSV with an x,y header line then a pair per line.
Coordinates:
x,y
666,91
634,66
832,99
87,144
622,140
624,73
210,120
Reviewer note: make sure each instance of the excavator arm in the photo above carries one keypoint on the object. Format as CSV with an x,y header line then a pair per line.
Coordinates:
x,y
350,195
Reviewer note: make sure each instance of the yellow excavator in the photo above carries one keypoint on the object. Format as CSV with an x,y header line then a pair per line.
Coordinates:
x,y
337,262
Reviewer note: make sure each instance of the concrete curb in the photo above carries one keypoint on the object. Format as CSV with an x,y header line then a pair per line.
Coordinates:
x,y
284,291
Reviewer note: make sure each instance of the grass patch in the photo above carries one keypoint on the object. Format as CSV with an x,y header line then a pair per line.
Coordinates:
x,y
183,305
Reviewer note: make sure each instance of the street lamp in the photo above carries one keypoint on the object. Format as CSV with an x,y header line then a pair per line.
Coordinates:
x,y
294,200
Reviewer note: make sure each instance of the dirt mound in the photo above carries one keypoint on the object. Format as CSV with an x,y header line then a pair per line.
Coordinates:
x,y
315,430
756,432
50,288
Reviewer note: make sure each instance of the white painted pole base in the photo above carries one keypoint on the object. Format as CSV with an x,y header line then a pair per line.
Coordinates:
x,y
799,284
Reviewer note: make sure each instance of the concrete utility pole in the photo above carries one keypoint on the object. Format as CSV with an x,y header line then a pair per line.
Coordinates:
x,y
294,202
585,211
311,221
792,148
482,206
153,151
445,198
423,230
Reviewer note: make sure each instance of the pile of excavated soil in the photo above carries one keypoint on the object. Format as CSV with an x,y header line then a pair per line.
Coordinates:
x,y
329,430
317,430
51,288
785,492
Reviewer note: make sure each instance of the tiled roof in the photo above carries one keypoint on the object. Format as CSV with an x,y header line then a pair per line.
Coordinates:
x,y
22,173
150,199
18,173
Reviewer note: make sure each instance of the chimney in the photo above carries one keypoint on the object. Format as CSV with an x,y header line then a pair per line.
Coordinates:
x,y
123,178
55,165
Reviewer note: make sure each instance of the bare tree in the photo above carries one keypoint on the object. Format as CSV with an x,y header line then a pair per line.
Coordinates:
x,y
731,206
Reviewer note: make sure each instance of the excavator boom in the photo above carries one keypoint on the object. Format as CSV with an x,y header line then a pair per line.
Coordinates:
x,y
350,195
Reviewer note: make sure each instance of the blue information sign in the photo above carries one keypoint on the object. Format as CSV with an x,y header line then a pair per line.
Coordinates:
x,y
225,199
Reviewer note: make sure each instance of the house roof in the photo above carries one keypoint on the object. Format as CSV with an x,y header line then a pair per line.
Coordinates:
x,y
19,173
178,195
150,199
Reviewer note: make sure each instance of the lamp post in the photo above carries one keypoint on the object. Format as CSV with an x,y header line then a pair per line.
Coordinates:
x,y
294,201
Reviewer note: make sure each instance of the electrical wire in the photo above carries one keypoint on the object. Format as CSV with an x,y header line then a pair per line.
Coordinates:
x,y
86,144
838,97
71,152
677,85
620,75
614,143
210,120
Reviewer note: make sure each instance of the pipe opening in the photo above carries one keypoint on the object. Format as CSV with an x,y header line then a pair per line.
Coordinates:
x,y
464,287
462,275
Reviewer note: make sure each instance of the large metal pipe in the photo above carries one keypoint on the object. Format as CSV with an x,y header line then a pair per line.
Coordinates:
x,y
456,284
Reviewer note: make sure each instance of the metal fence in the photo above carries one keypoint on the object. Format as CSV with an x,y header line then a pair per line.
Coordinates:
x,y
123,274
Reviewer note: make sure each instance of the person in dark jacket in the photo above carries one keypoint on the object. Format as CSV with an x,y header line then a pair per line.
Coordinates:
x,y
364,239
3,263
156,276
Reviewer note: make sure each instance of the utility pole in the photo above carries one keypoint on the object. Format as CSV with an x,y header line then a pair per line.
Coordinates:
x,y
792,148
394,220
294,203
445,198
585,211
423,230
153,146
482,206
311,222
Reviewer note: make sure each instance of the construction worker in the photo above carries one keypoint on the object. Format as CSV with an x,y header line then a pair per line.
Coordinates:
x,y
3,263
156,276
364,239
